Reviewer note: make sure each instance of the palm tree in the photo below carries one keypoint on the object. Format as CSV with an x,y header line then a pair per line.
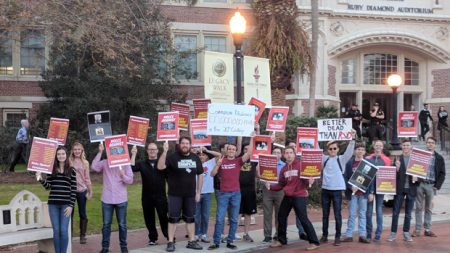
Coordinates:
x,y
314,46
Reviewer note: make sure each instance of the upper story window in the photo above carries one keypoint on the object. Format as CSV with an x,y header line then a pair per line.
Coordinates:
x,y
216,44
32,52
411,72
348,71
6,61
378,67
188,44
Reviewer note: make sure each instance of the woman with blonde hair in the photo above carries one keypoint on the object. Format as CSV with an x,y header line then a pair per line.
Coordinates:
x,y
78,160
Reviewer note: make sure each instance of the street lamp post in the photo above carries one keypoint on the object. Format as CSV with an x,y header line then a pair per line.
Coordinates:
x,y
237,26
394,81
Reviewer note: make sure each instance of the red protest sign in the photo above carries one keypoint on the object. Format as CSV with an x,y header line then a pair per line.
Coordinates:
x,y
268,167
262,144
167,126
117,150
407,124
183,109
137,131
201,108
386,180
311,163
42,155
259,107
419,162
277,118
198,133
306,139
58,130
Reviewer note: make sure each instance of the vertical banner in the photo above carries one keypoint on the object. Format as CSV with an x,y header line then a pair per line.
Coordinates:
x,y
277,118
386,180
201,108
231,120
99,124
257,79
42,155
418,164
58,130
198,133
363,175
407,124
262,144
218,77
117,150
167,126
306,139
137,131
268,168
259,105
311,165
183,109
335,129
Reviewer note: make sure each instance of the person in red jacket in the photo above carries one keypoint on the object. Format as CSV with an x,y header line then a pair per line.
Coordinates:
x,y
295,196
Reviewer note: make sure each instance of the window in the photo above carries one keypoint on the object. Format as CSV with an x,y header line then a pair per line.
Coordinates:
x,y
216,44
187,44
348,71
377,68
6,66
411,72
12,117
32,52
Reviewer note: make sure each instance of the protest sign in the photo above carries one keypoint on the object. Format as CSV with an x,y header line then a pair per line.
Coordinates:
x,y
386,180
268,167
306,139
311,163
407,124
262,144
99,125
42,155
218,77
334,129
259,105
231,120
58,130
257,79
198,133
363,175
277,118
419,162
137,131
201,108
183,109
117,150
167,126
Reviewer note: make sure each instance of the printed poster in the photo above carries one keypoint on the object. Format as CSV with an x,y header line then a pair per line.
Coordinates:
x,y
167,126
201,108
363,175
58,130
419,162
42,155
407,124
277,118
117,150
218,77
99,125
306,139
268,168
259,105
334,129
198,133
311,165
386,180
262,144
137,131
257,80
231,120
183,109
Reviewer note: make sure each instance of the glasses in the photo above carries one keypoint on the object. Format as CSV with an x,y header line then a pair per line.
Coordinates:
x,y
332,148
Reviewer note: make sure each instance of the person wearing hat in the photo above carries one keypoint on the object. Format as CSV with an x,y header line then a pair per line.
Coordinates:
x,y
424,115
356,117
376,130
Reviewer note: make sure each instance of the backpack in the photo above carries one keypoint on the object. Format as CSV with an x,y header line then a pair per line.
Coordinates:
x,y
339,163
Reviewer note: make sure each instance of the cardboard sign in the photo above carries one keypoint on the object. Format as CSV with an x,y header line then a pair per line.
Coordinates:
x,y
218,77
363,175
419,162
262,144
117,150
137,131
259,105
58,130
306,139
407,124
334,129
277,119
311,165
183,109
99,124
198,133
257,79
231,120
42,155
268,167
386,180
201,108
167,126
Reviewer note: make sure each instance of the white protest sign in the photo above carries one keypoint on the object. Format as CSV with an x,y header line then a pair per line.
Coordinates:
x,y
334,129
230,120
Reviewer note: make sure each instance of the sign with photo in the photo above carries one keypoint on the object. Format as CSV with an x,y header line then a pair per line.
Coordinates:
x,y
198,133
257,79
407,124
262,144
363,175
117,150
259,105
334,129
99,125
231,120
306,139
42,155
218,77
277,119
201,108
58,130
167,126
311,165
183,109
137,131
268,168
386,180
419,162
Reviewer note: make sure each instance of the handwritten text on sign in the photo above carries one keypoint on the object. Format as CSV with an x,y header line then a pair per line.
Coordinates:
x,y
231,120
334,129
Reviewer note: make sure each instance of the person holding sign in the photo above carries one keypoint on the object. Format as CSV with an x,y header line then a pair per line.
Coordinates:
x,y
114,198
62,184
428,188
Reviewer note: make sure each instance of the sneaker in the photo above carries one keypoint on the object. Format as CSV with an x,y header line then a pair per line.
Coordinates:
x,y
429,233
337,242
194,245
276,244
323,239
152,243
213,246
416,233
267,240
407,237
347,239
391,237
231,246
377,238
170,247
247,238
237,237
205,239
363,239
303,237
313,247
124,250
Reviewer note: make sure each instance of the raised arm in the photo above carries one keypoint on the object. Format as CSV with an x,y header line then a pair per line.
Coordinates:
x,y
134,168
216,167
97,164
162,158
350,150
211,152
248,154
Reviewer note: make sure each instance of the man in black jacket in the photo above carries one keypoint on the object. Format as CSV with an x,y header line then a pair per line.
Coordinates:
x,y
427,189
356,117
423,119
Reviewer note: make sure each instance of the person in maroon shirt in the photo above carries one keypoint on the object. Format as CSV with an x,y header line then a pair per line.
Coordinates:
x,y
295,196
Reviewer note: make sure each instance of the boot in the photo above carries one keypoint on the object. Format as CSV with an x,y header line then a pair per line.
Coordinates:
x,y
83,227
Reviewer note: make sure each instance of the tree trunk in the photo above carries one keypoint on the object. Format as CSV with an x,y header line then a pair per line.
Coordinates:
x,y
314,47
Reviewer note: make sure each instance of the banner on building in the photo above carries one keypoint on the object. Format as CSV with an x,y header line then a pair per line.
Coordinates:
x,y
58,130
306,139
257,79
218,77
42,155
363,175
201,108
268,167
137,131
276,120
419,162
198,129
231,120
386,180
117,150
259,105
167,126
183,109
407,124
99,125
334,129
311,165
262,145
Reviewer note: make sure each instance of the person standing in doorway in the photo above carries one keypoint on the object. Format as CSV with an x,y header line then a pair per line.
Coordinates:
x,y
21,147
376,129
442,118
424,115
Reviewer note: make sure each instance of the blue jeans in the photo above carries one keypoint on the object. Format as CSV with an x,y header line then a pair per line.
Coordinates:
x,y
378,199
121,215
60,225
230,201
357,208
329,196
202,209
409,204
